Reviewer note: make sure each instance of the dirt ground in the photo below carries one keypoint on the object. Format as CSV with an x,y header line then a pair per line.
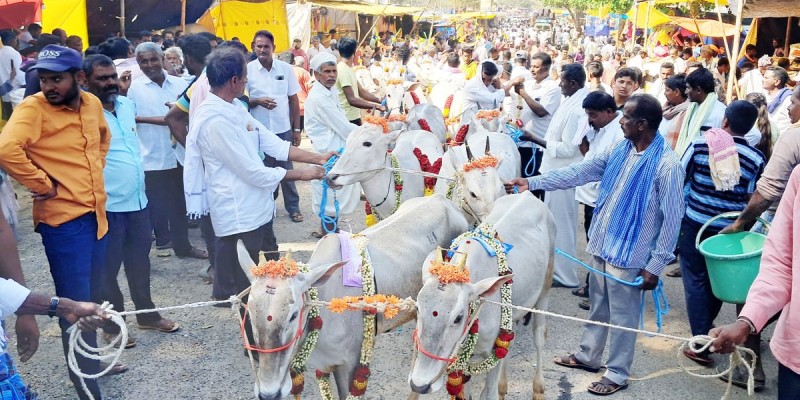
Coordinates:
x,y
204,360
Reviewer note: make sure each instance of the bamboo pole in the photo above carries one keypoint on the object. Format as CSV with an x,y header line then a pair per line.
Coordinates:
x,y
633,25
377,17
646,26
731,57
183,16
122,18
737,34
788,34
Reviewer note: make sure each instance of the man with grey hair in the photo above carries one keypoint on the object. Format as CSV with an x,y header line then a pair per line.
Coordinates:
x,y
224,168
152,94
328,127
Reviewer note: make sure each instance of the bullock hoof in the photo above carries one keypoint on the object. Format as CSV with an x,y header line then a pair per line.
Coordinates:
x,y
605,387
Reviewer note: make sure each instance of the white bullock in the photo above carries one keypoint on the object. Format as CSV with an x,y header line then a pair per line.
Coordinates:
x,y
427,117
520,220
446,96
402,96
366,157
396,246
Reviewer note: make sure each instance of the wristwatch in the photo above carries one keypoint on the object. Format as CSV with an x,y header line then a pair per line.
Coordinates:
x,y
51,311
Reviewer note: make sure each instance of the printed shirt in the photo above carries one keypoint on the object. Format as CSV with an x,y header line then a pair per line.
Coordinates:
x,y
124,171
277,83
662,219
150,99
42,143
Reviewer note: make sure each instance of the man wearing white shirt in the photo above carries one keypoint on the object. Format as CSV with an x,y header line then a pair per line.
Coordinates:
x,y
484,92
223,155
657,88
273,88
152,94
778,97
541,99
313,48
9,58
561,151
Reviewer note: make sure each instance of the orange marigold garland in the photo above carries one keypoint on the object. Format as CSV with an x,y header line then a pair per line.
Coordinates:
x,y
397,117
371,304
482,163
282,268
449,273
487,114
378,121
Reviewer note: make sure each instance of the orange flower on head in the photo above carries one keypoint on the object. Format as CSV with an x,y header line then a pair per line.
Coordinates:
x,y
487,114
378,121
449,273
397,117
482,163
283,268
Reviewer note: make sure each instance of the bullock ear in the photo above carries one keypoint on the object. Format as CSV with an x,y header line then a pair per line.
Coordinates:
x,y
245,261
488,286
318,275
391,137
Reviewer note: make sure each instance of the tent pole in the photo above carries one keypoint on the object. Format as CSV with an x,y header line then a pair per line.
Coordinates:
x,y
736,37
731,57
788,34
633,24
122,18
646,26
183,15
373,25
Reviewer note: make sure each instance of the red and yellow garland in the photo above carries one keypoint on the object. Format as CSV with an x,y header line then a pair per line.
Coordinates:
x,y
426,166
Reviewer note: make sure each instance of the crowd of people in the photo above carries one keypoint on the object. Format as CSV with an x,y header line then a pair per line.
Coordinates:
x,y
134,140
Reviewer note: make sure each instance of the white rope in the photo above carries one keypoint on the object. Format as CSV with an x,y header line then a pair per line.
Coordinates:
x,y
735,359
114,349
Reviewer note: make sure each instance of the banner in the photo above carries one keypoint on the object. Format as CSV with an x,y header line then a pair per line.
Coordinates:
x,y
69,15
229,18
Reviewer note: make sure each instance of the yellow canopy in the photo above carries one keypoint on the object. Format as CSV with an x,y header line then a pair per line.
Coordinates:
x,y
69,15
721,2
367,8
231,18
601,12
706,27
656,17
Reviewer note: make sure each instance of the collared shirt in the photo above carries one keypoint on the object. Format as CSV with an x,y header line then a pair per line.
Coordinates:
x,y
240,187
12,295
780,117
600,141
124,172
548,94
662,218
703,200
477,94
42,143
158,151
326,124
775,287
278,83
9,56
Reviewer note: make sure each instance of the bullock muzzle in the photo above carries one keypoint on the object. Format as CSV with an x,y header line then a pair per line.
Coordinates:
x,y
424,389
270,396
331,180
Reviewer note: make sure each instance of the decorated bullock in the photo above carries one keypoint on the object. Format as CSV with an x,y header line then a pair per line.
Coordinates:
x,y
288,328
451,346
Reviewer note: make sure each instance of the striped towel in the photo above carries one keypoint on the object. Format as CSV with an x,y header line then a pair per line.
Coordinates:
x,y
723,159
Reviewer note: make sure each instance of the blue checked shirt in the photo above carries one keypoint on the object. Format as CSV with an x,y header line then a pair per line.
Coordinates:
x,y
124,171
662,219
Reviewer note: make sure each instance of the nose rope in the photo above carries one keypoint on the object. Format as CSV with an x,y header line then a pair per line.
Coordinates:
x,y
454,354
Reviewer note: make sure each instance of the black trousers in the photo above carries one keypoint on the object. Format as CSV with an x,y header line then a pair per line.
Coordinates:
x,y
229,278
167,206
526,154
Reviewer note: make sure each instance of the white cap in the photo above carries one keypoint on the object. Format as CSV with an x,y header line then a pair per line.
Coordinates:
x,y
321,59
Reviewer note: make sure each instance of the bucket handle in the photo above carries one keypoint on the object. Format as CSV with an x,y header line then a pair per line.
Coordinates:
x,y
730,214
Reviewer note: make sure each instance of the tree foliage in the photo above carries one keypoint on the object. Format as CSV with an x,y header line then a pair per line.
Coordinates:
x,y
577,8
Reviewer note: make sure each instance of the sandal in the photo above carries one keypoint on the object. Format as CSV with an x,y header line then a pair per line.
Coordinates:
x,y
571,362
297,217
582,291
585,305
674,273
699,358
605,387
109,337
118,368
318,234
195,253
163,325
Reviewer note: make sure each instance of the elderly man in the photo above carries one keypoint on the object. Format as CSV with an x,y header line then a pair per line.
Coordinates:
x,y
273,102
485,91
129,229
223,160
55,145
705,109
560,150
779,96
152,94
633,233
328,128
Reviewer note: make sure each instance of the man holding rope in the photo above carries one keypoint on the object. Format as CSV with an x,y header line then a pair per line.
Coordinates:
x,y
633,234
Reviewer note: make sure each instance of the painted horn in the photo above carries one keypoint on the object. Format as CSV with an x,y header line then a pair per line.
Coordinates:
x,y
462,263
289,255
470,157
262,260
439,256
488,147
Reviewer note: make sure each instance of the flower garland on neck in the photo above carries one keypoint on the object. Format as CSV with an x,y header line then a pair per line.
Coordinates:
x,y
462,369
426,166
447,105
487,114
372,215
361,376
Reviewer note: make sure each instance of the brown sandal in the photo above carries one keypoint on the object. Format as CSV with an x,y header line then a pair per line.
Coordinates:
x,y
297,217
162,325
605,387
698,357
571,362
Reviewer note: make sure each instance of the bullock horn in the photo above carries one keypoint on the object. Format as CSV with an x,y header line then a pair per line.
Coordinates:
x,y
462,263
488,146
470,157
261,258
439,256
289,255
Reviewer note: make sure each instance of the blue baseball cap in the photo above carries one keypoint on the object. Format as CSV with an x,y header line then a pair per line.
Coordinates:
x,y
58,59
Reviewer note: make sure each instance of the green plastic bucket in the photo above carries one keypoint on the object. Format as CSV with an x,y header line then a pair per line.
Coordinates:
x,y
732,260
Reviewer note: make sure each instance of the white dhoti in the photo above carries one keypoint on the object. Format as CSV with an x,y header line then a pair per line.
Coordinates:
x,y
564,207
348,198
